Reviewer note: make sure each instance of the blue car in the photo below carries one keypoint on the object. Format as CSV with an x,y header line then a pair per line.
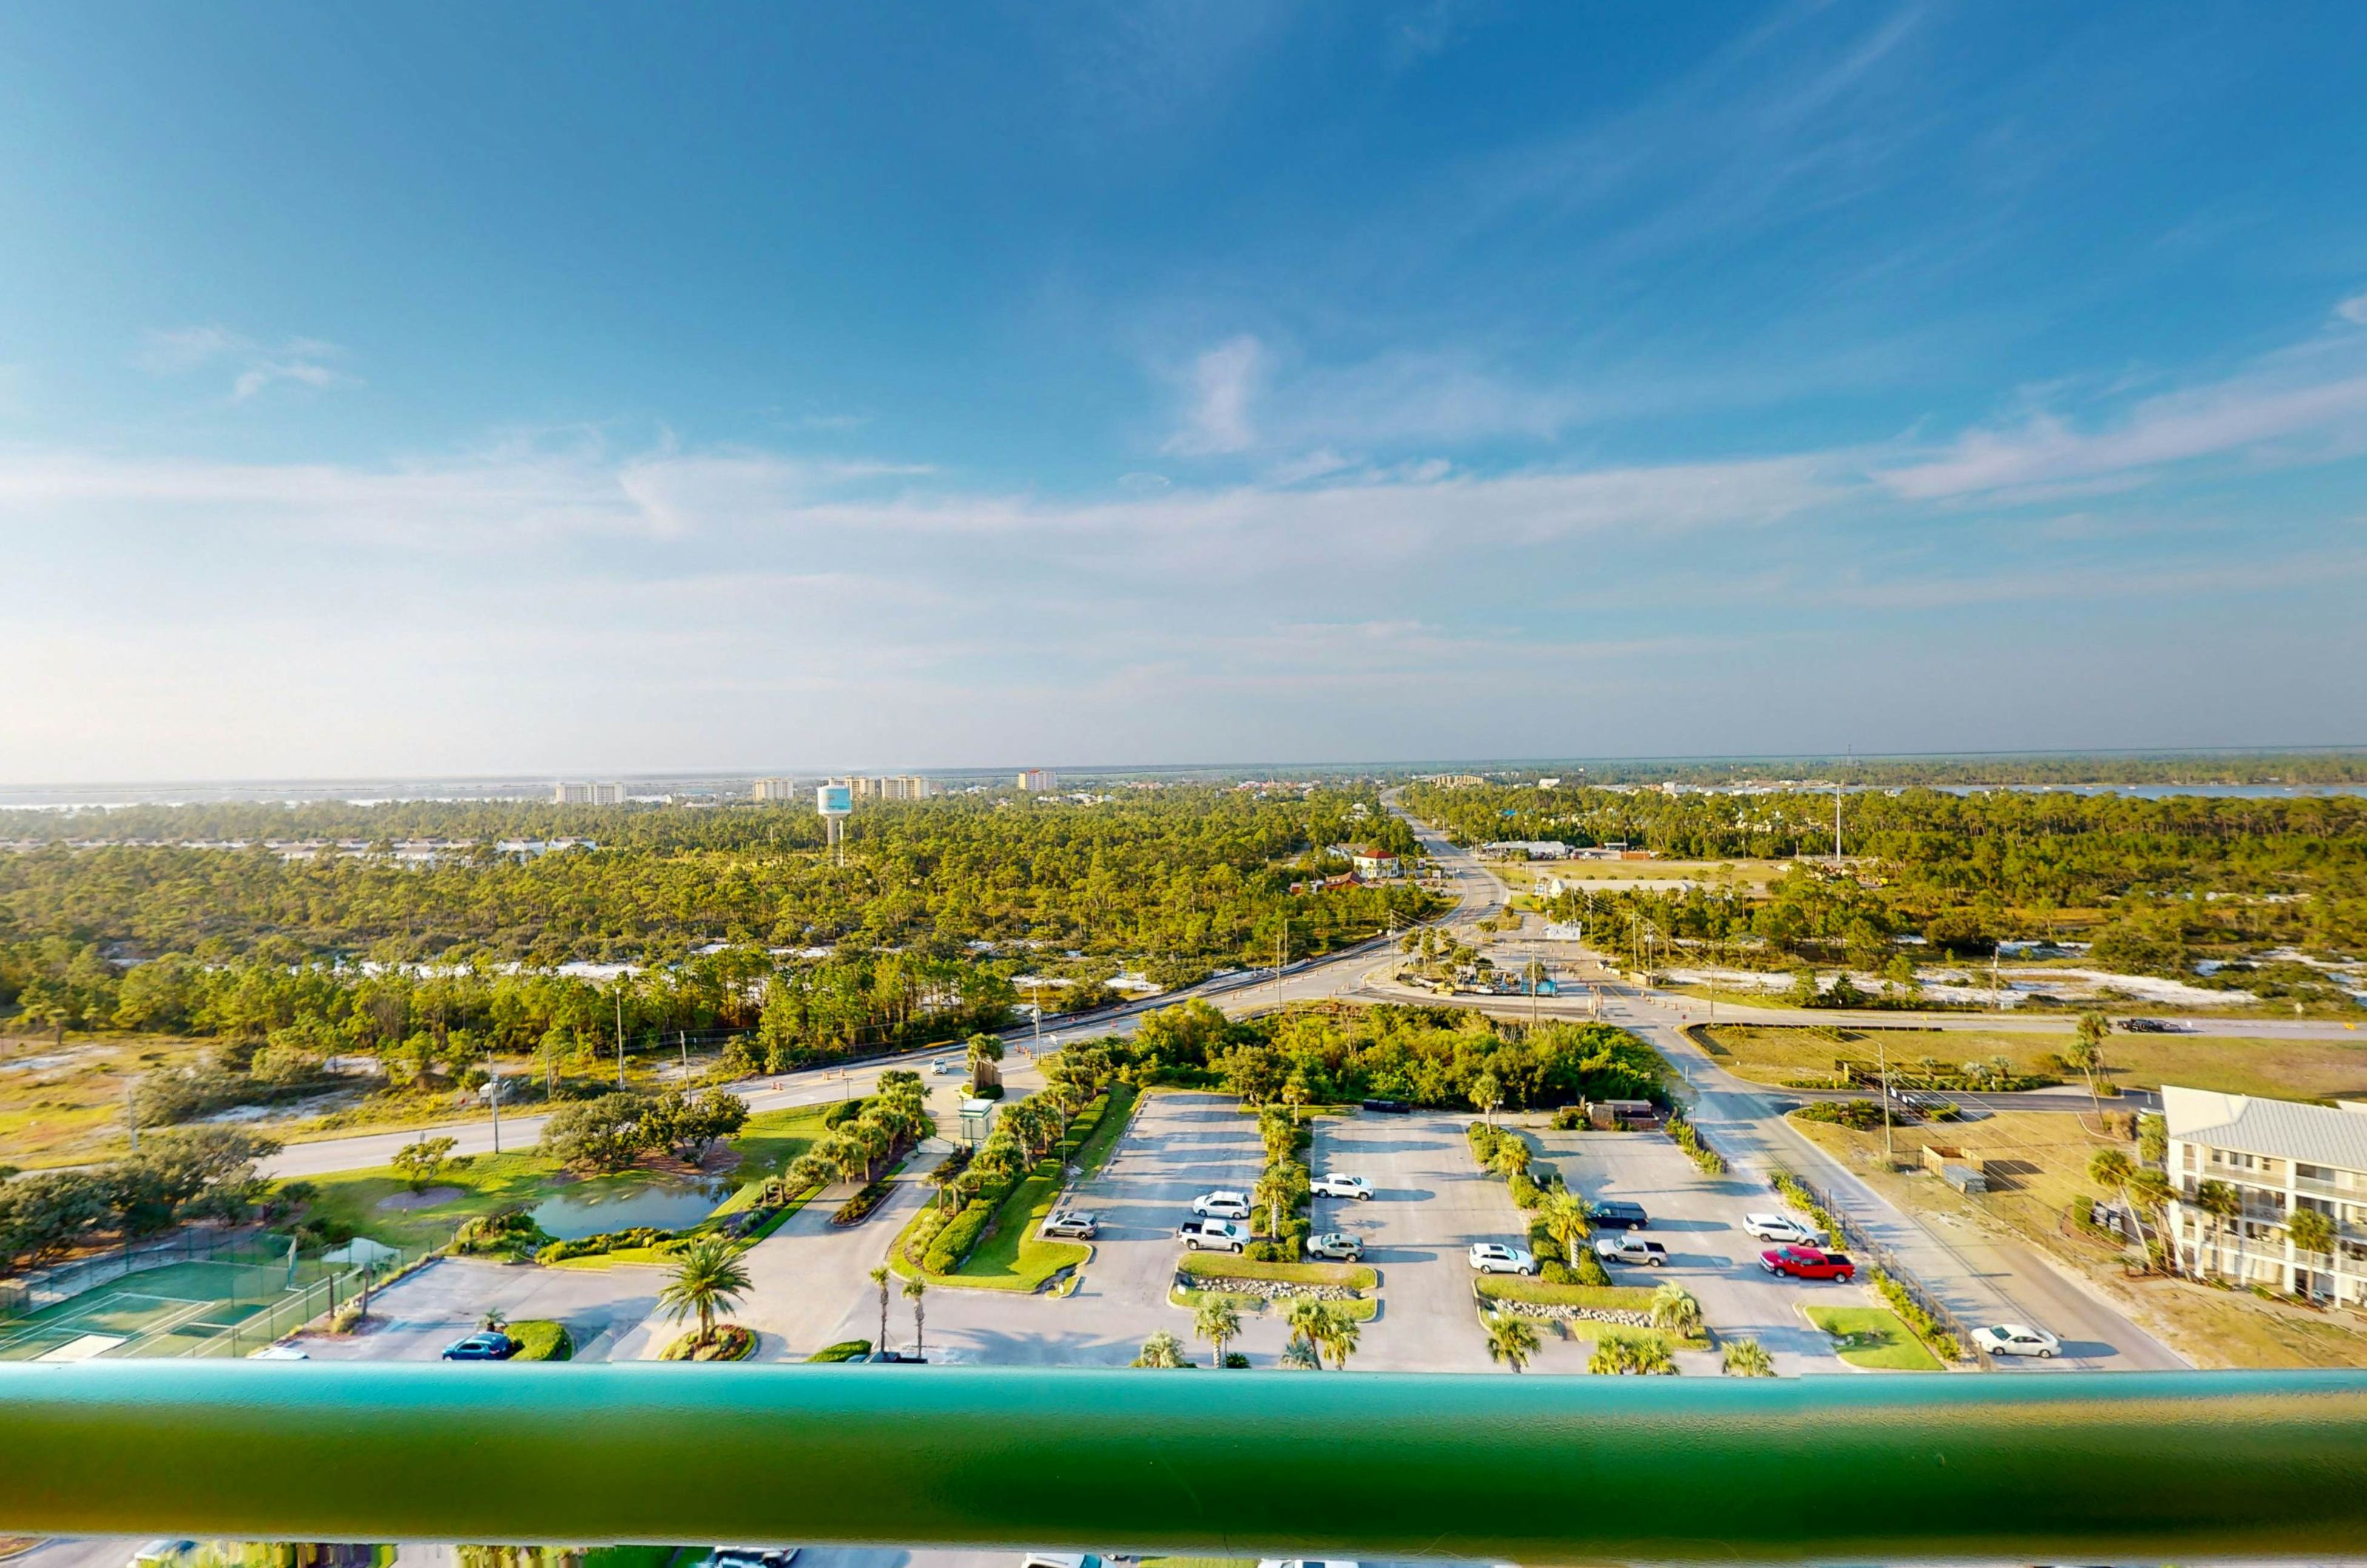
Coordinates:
x,y
490,1346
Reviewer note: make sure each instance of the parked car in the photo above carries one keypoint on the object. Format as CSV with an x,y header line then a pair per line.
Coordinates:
x,y
1808,1263
945,1066
752,1556
1495,1258
1337,1246
1331,1184
1080,1224
490,1346
2153,1026
1781,1228
1224,1235
1631,1248
1618,1216
278,1353
2017,1339
1387,1107
1221,1205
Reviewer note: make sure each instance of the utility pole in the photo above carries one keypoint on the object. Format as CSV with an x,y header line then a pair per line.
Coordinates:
x,y
1881,1059
620,1031
131,1116
493,1094
682,1038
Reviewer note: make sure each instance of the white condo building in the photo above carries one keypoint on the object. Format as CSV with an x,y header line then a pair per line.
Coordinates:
x,y
2276,1156
1039,781
774,789
587,794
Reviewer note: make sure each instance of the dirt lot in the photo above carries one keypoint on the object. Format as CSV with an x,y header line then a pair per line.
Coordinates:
x,y
2303,1069
2039,1167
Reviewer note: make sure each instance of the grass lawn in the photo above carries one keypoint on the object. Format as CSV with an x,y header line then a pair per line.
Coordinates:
x,y
1222,1266
64,1107
1602,1298
1014,1258
1874,1337
2230,1064
486,1183
769,1144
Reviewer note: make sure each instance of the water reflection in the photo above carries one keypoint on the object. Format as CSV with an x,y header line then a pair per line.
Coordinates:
x,y
628,1203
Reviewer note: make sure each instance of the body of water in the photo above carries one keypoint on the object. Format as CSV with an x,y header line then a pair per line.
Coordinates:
x,y
628,1203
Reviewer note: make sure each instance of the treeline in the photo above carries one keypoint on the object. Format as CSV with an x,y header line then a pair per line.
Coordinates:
x,y
1429,1057
1187,875
2173,769
204,1173
1976,867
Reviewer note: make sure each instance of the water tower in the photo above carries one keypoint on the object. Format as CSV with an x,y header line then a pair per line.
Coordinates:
x,y
836,803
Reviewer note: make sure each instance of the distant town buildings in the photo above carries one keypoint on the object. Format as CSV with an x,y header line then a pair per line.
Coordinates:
x,y
774,789
587,794
1038,781
900,787
1452,781
2271,1161
1534,848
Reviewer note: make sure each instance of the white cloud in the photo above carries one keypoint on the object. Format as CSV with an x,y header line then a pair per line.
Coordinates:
x,y
1220,388
2353,310
303,361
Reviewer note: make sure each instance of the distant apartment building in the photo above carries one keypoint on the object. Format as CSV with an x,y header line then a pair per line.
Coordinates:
x,y
903,786
587,794
2277,1159
774,789
1372,865
1038,781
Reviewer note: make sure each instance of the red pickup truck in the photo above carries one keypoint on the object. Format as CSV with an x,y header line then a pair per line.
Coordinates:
x,y
1808,1263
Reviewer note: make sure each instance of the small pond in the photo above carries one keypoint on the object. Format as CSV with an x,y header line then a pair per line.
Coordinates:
x,y
625,1203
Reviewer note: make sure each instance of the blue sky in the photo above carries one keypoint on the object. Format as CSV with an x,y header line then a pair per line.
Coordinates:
x,y
555,388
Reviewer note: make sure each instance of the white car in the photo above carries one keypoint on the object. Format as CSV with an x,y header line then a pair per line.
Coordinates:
x,y
1223,1235
1221,1205
1495,1258
1781,1228
945,1064
278,1353
2017,1339
1629,1247
1331,1184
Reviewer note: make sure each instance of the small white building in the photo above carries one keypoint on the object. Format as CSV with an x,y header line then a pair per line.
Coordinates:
x,y
1374,865
2277,1156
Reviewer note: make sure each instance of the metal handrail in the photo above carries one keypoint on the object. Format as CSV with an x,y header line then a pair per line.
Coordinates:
x,y
2048,1466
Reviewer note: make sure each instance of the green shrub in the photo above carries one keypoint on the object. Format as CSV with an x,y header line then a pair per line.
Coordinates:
x,y
845,1110
860,1206
1570,1117
1553,1272
606,1241
507,1233
1485,1140
844,1350
1911,1312
1526,1194
1589,1270
541,1339
960,1233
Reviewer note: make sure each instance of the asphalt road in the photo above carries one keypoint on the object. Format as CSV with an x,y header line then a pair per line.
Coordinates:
x,y
605,1309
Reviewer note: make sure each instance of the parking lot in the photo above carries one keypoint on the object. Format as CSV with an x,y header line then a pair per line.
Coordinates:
x,y
604,1310
1699,1219
1429,1205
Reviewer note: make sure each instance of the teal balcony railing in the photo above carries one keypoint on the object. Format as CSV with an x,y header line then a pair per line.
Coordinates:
x,y
2031,1466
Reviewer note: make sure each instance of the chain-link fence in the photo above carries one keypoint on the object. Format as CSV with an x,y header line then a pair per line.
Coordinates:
x,y
1862,1244
48,1287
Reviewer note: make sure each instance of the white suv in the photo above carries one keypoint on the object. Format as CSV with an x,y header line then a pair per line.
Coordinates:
x,y
1221,1206
1331,1184
1781,1228
1495,1258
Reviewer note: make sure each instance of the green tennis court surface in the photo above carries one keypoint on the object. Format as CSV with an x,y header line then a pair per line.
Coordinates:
x,y
165,1311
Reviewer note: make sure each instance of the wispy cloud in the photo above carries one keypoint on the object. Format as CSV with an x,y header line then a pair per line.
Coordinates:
x,y
1218,389
254,365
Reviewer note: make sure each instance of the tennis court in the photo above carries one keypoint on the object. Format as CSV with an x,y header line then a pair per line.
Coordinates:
x,y
176,1310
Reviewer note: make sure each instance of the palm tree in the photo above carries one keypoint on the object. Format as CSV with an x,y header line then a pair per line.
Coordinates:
x,y
1341,1334
1568,1222
1308,1321
1218,1323
2086,1054
880,1278
1513,1155
1512,1339
1487,1093
1748,1358
2222,1202
1675,1310
1533,972
2310,1230
2115,1170
913,1290
1161,1349
708,1275
985,1051
2151,1192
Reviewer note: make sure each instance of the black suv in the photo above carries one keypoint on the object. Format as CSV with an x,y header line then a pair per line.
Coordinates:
x,y
1389,1107
1620,1217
